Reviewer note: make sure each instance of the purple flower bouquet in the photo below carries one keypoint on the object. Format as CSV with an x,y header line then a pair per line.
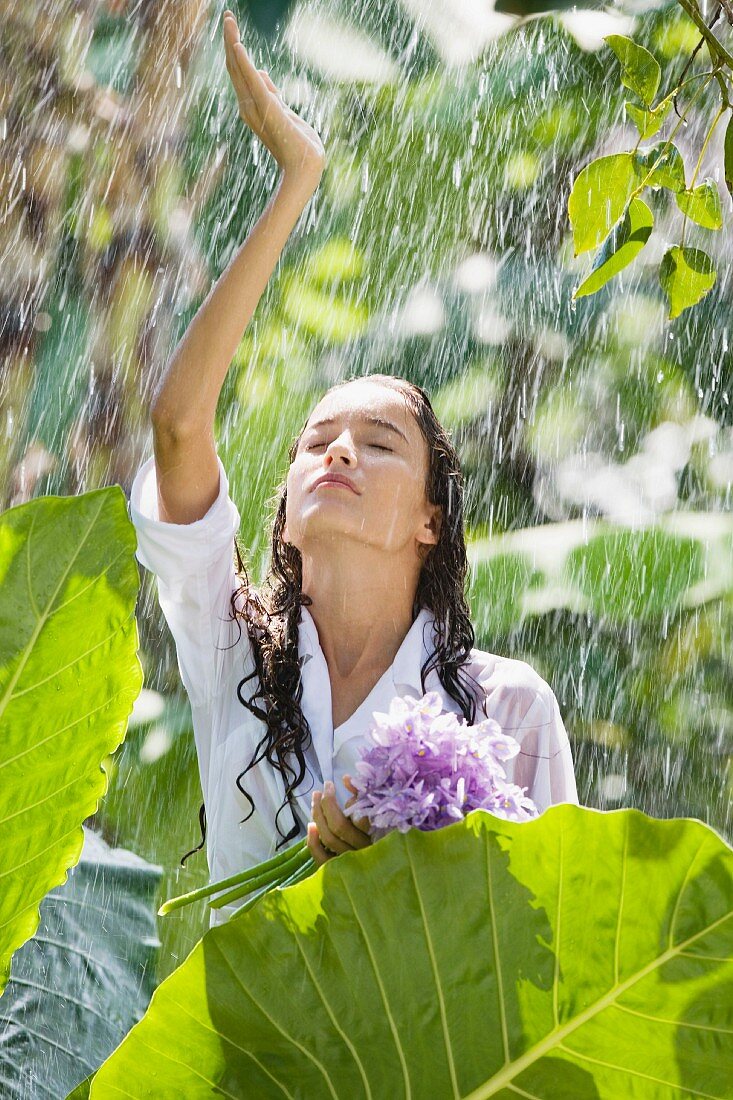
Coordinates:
x,y
424,769
427,769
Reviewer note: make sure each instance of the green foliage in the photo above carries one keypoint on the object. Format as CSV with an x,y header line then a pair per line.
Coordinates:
x,y
686,275
640,70
627,575
648,122
142,791
599,197
624,242
319,313
702,204
617,574
662,166
478,385
605,195
533,7
564,955
70,674
498,583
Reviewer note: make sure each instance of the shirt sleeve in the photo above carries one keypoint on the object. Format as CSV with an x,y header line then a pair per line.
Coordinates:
x,y
194,565
545,760
525,706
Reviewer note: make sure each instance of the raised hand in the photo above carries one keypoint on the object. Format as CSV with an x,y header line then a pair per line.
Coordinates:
x,y
331,832
293,143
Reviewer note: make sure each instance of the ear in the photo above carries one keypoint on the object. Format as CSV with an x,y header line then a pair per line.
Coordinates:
x,y
431,529
284,535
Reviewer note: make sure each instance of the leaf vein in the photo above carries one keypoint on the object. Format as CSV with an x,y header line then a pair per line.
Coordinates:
x,y
673,918
675,1023
63,729
25,654
497,960
57,671
177,1062
243,1050
438,988
385,1002
327,1007
289,1038
638,1073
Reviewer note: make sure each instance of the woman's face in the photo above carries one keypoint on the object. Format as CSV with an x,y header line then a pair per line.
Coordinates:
x,y
387,466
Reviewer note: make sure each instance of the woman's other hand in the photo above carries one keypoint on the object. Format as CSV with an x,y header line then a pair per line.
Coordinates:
x,y
293,143
331,832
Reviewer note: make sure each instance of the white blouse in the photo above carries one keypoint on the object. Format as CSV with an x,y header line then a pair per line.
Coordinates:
x,y
195,567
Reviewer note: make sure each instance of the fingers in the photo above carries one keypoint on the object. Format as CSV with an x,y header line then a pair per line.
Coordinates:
x,y
337,831
241,57
266,77
239,64
361,823
314,845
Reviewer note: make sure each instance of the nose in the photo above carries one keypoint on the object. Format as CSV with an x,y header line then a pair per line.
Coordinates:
x,y
341,447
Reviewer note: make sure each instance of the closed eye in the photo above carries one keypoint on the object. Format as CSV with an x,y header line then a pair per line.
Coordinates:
x,y
312,447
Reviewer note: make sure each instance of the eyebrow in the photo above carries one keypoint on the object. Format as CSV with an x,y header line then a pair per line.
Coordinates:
x,y
378,420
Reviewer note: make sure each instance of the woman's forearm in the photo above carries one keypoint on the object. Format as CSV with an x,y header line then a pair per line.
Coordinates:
x,y
187,395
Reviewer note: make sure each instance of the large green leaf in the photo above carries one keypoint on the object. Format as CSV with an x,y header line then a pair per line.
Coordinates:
x,y
68,679
623,244
630,574
599,196
615,572
582,954
78,986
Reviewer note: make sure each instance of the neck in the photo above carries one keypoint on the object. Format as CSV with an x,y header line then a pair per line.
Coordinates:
x,y
362,609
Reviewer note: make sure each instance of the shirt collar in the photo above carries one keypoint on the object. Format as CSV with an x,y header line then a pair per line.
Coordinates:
x,y
417,645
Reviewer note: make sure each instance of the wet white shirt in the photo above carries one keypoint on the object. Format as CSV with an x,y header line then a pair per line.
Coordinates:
x,y
195,568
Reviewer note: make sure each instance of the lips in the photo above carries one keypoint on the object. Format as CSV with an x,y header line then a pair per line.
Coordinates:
x,y
338,479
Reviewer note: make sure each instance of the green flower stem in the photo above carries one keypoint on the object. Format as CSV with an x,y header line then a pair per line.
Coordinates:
x,y
280,860
276,875
302,873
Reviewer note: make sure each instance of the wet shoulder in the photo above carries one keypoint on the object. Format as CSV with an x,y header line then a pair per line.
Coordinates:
x,y
516,694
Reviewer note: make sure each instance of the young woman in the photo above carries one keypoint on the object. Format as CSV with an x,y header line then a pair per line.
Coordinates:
x,y
365,593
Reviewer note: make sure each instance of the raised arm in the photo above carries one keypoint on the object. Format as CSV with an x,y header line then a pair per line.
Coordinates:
x,y
184,405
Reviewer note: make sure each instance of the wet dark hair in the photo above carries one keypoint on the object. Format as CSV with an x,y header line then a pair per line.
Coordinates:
x,y
272,619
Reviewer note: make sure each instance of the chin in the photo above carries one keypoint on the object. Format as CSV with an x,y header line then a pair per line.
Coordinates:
x,y
322,529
